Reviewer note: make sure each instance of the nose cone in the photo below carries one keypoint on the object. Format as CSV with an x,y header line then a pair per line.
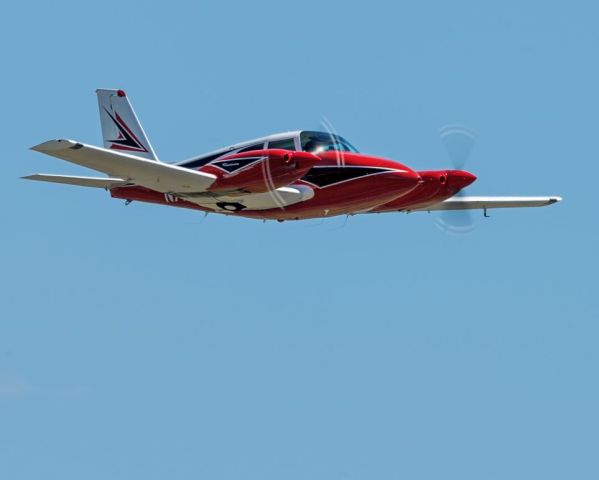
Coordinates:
x,y
458,179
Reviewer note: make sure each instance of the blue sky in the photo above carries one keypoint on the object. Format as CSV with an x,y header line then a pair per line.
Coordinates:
x,y
145,342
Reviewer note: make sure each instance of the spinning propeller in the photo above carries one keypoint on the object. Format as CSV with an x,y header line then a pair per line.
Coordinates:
x,y
458,141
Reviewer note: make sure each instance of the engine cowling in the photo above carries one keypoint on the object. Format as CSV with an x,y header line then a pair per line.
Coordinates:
x,y
259,171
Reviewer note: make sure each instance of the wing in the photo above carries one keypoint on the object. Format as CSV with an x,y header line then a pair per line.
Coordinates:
x,y
80,181
151,174
470,203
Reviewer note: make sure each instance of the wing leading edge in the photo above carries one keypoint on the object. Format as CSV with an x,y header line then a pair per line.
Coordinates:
x,y
471,203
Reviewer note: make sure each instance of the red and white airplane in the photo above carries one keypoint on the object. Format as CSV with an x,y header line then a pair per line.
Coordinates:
x,y
286,176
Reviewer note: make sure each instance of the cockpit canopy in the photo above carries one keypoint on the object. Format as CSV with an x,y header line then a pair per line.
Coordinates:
x,y
318,142
308,141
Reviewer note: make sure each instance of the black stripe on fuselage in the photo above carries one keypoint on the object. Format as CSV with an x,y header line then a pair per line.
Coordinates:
x,y
200,162
325,176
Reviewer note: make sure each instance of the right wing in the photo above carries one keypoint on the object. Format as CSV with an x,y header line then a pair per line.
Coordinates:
x,y
80,181
470,203
154,175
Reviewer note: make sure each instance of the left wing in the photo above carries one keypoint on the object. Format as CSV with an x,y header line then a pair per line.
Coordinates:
x,y
470,203
151,174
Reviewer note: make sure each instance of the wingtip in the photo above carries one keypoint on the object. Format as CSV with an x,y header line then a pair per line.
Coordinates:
x,y
33,176
553,200
53,145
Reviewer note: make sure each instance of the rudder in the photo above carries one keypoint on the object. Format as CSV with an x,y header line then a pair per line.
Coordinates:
x,y
121,129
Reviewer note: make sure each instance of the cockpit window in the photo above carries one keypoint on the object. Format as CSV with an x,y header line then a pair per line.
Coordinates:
x,y
317,142
287,144
259,146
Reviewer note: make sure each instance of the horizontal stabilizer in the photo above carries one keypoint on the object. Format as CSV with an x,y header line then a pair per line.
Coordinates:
x,y
95,182
470,203
161,177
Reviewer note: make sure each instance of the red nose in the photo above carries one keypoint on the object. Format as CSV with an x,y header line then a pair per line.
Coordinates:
x,y
458,179
303,159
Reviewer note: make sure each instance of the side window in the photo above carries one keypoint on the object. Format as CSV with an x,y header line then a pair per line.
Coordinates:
x,y
287,144
259,146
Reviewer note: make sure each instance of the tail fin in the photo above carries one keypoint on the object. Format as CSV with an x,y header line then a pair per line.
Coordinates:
x,y
121,129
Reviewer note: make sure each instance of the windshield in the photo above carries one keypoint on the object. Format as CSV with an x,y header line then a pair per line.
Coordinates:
x,y
317,142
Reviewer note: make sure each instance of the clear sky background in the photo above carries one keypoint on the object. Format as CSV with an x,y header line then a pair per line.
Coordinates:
x,y
143,342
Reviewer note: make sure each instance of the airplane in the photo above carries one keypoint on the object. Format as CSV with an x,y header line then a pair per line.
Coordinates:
x,y
286,176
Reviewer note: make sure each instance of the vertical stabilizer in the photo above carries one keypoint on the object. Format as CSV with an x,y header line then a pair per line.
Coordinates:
x,y
121,129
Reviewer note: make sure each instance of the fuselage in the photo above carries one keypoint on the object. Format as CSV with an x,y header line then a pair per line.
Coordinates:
x,y
322,174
